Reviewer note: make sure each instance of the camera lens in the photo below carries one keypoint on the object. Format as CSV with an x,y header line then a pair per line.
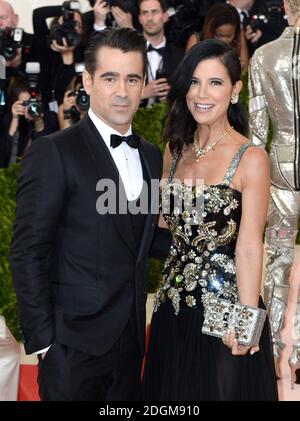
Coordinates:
x,y
34,109
9,52
72,38
82,100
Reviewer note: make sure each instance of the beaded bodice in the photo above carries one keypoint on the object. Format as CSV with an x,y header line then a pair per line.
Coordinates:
x,y
204,221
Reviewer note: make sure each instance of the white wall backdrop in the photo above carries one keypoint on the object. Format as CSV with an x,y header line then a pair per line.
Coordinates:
x,y
24,9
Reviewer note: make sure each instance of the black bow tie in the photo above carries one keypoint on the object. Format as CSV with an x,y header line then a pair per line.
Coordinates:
x,y
131,140
158,50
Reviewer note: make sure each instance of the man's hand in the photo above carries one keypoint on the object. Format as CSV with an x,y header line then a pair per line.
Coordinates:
x,y
69,100
100,10
123,19
156,88
62,49
252,36
231,342
65,50
43,354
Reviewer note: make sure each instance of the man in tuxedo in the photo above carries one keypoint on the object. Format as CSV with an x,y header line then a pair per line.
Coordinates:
x,y
263,21
163,57
80,272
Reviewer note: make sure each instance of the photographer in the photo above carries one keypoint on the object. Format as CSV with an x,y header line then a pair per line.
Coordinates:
x,y
24,123
263,21
62,46
75,104
163,56
16,46
109,13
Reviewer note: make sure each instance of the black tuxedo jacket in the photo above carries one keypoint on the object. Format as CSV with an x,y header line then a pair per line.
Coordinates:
x,y
79,276
171,58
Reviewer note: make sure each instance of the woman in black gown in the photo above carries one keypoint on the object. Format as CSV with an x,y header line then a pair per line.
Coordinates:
x,y
217,249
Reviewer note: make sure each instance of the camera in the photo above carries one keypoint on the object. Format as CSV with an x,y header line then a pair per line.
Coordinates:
x,y
122,4
10,40
82,98
67,29
258,22
33,105
273,16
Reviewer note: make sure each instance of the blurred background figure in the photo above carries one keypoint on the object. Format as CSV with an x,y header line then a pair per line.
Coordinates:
x,y
16,46
163,56
25,121
9,364
223,22
262,20
76,101
110,13
274,95
62,46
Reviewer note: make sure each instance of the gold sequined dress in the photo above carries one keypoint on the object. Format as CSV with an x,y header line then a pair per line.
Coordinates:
x,y
182,363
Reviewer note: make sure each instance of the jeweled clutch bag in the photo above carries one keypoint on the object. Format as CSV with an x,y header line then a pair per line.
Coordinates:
x,y
221,315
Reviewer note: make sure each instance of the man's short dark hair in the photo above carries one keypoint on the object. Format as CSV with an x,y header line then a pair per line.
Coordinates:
x,y
163,4
124,39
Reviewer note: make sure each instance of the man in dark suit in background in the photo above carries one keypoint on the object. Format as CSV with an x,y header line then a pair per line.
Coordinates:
x,y
80,272
163,56
263,20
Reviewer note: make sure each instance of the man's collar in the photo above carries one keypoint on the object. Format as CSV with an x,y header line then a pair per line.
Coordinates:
x,y
104,129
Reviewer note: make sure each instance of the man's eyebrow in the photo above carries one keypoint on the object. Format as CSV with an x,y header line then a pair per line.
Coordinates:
x,y
109,74
114,74
134,75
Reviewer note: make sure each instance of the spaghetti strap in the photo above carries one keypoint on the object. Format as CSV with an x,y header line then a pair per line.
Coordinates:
x,y
230,171
235,163
173,166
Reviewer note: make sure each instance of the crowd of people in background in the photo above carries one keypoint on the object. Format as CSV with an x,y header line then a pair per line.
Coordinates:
x,y
49,97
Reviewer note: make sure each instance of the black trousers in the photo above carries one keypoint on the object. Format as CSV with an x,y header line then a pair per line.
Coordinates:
x,y
66,374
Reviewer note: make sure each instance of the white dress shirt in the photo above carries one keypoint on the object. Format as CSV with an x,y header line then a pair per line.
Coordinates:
x,y
154,60
240,12
126,158
154,63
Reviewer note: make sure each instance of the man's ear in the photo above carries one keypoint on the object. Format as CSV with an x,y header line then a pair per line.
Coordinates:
x,y
166,17
87,81
16,20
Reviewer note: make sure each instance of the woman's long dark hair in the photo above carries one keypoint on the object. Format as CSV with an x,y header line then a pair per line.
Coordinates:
x,y
181,125
219,15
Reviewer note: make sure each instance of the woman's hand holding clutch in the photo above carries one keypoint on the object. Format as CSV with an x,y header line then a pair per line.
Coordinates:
x,y
231,342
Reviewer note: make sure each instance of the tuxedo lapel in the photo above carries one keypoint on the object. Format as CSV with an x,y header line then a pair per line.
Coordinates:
x,y
106,168
146,238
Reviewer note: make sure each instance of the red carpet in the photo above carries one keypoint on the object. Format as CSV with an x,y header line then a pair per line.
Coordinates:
x,y
28,387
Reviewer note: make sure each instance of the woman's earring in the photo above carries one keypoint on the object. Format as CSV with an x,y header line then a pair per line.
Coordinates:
x,y
235,99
